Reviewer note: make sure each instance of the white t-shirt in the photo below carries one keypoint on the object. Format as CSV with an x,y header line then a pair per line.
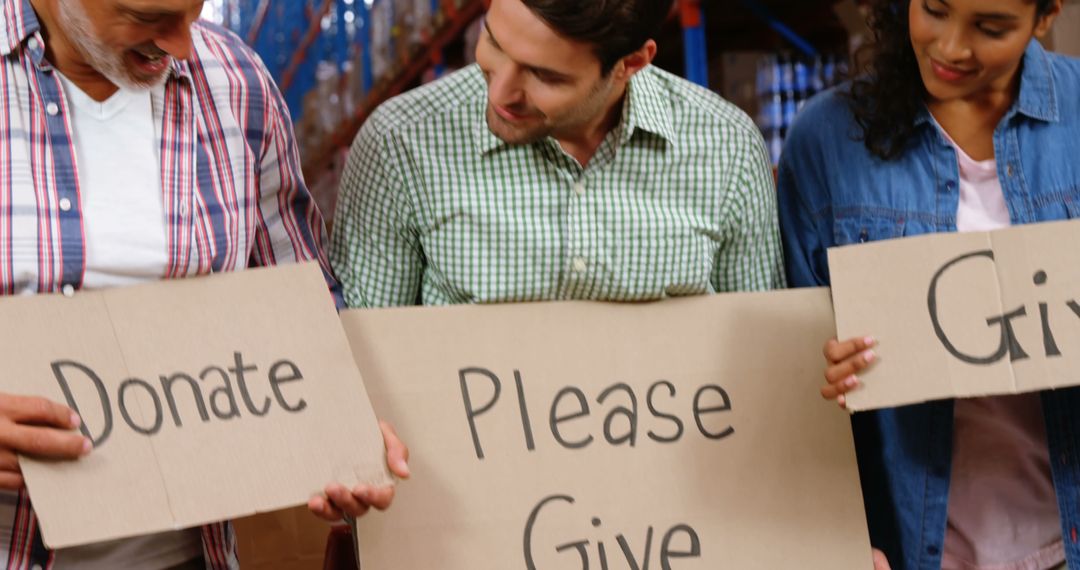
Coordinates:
x,y
117,156
1002,512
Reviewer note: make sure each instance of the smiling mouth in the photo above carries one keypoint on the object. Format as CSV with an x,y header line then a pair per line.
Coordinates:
x,y
949,73
150,63
507,114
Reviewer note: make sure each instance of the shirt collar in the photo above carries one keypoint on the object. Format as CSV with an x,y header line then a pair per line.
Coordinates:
x,y
646,110
1038,91
19,24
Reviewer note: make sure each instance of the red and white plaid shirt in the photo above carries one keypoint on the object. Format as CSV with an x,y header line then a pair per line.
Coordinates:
x,y
233,194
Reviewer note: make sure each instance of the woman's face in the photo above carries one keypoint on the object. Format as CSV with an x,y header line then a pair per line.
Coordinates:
x,y
970,48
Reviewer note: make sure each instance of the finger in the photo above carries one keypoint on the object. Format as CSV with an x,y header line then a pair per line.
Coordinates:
x,y
322,508
836,351
880,562
397,454
38,411
841,401
380,498
833,391
43,442
9,461
11,481
852,365
345,501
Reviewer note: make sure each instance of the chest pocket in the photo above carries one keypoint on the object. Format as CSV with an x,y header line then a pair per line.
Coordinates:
x,y
864,229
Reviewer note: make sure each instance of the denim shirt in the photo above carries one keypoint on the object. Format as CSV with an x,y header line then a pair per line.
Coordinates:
x,y
833,192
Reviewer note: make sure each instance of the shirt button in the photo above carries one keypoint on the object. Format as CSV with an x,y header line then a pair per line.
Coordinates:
x,y
580,265
36,567
1009,170
33,44
65,204
68,290
52,109
183,209
579,189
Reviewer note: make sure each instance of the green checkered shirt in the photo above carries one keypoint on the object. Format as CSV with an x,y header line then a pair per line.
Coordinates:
x,y
434,209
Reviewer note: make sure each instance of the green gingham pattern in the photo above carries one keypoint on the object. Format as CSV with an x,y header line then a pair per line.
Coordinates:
x,y
434,209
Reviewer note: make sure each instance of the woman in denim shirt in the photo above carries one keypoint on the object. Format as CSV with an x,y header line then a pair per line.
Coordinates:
x,y
963,121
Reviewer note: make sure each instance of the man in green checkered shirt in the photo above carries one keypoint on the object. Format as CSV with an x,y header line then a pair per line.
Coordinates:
x,y
561,166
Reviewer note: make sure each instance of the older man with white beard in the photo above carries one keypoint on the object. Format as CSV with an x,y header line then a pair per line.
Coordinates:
x,y
136,144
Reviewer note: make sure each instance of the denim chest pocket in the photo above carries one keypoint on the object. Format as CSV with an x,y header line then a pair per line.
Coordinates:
x,y
863,229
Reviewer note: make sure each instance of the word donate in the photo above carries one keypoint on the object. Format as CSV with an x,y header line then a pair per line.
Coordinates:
x,y
962,315
221,399
570,436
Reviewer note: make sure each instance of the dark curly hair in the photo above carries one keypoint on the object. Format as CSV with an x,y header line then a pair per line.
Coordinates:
x,y
615,28
887,97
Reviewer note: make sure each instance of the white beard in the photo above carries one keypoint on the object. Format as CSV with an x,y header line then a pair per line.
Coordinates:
x,y
76,25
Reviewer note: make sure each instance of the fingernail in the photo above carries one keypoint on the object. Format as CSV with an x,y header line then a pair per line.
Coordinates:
x,y
76,421
403,467
851,382
869,356
87,446
870,341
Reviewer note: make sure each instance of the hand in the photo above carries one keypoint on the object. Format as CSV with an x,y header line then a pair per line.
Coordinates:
x,y
339,502
844,361
37,427
880,562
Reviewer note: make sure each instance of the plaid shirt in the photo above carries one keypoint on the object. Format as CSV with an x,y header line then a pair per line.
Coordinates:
x,y
435,209
233,193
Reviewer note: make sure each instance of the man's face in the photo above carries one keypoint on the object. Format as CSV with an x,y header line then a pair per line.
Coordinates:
x,y
130,42
539,83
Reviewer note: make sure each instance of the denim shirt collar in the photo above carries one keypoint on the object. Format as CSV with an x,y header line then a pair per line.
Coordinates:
x,y
1038,91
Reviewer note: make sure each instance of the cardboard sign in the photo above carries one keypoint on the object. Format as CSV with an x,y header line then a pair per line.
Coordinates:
x,y
682,434
207,399
963,315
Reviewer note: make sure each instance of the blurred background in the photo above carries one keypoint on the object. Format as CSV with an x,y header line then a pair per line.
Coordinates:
x,y
336,60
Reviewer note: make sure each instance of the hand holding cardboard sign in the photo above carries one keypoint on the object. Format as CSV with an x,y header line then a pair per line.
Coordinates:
x,y
340,502
845,360
39,427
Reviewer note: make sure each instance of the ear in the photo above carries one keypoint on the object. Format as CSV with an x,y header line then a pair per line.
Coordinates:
x,y
630,65
1046,21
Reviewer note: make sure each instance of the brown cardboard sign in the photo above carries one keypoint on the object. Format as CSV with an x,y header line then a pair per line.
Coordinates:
x,y
682,434
962,315
207,398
